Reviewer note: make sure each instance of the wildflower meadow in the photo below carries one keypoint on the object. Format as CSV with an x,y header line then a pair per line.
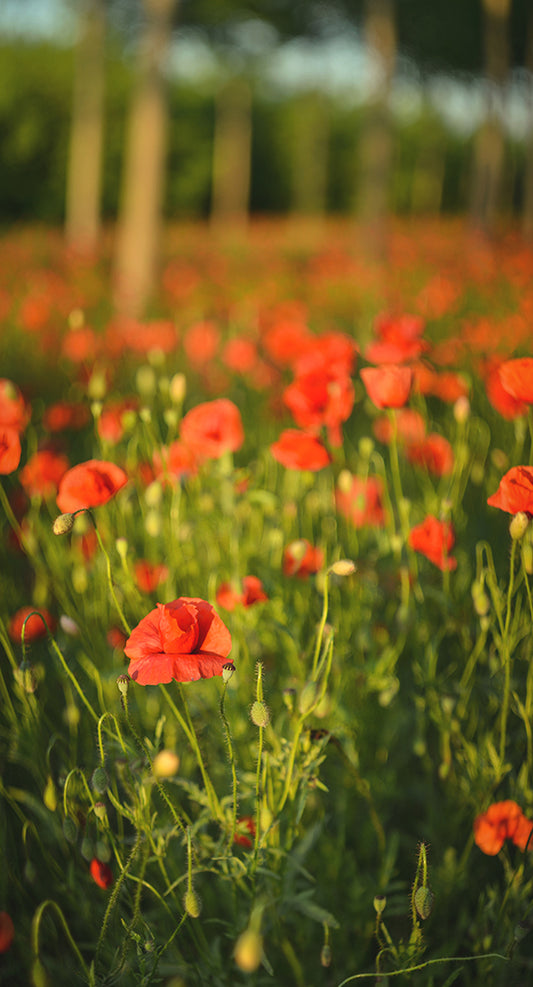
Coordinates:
x,y
266,671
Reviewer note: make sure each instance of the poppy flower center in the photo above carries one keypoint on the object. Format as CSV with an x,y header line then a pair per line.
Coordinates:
x,y
178,628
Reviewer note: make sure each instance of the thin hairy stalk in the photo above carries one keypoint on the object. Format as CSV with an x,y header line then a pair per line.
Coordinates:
x,y
35,928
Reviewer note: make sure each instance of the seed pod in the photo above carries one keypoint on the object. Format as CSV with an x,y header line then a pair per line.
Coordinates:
x,y
424,899
63,524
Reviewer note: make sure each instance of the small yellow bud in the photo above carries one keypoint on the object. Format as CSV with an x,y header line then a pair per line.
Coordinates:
x,y
519,526
344,567
100,812
50,795
178,388
165,764
325,955
248,950
63,524
307,697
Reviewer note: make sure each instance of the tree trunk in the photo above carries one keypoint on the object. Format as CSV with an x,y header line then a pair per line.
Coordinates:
x,y
489,150
309,155
232,148
82,220
376,144
139,225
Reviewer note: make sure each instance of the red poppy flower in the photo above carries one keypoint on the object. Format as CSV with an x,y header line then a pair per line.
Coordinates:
x,y
34,629
148,575
176,460
434,452
13,410
321,398
140,337
89,484
360,501
43,471
240,355
434,539
332,350
111,421
7,932
252,592
65,414
517,378
300,451
213,428
79,345
301,559
245,825
101,873
502,821
286,341
10,450
500,399
410,427
201,342
183,640
398,339
387,386
515,492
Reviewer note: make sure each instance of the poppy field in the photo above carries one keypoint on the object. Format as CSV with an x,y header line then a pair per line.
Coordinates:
x,y
266,678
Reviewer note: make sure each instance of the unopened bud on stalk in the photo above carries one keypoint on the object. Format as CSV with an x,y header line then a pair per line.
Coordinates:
x,y
519,526
123,684
50,795
145,380
121,546
99,780
39,976
259,714
26,677
527,558
380,903
424,899
192,903
461,410
70,830
100,811
344,481
344,567
227,671
63,524
248,950
325,955
178,388
165,764
307,697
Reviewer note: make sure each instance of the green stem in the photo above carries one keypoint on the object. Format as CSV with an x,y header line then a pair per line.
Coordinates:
x,y
231,755
35,928
506,658
188,729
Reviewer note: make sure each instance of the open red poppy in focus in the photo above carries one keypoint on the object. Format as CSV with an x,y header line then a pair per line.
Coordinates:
x,y
515,492
502,821
184,640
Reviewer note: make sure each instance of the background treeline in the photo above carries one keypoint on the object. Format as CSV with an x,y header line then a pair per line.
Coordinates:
x,y
291,135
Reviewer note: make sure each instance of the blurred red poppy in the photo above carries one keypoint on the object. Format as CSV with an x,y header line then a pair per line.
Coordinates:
x,y
101,873
34,628
175,461
333,351
213,428
148,575
387,386
502,821
398,339
229,597
43,471
110,425
65,414
517,378
14,412
515,492
434,452
300,451
360,500
10,450
410,427
89,484
245,825
301,559
434,539
184,640
321,398
201,342
500,399
7,932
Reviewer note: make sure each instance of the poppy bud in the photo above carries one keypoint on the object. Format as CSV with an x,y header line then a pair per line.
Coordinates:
x,y
165,764
70,830
307,697
192,903
39,976
50,795
380,902
325,955
123,684
99,781
100,811
63,524
25,676
344,567
248,950
519,526
178,388
259,714
424,899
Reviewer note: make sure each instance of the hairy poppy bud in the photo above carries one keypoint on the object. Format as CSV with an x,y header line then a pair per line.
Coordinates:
x,y
325,955
100,811
344,567
63,524
70,830
424,899
192,903
259,714
99,781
